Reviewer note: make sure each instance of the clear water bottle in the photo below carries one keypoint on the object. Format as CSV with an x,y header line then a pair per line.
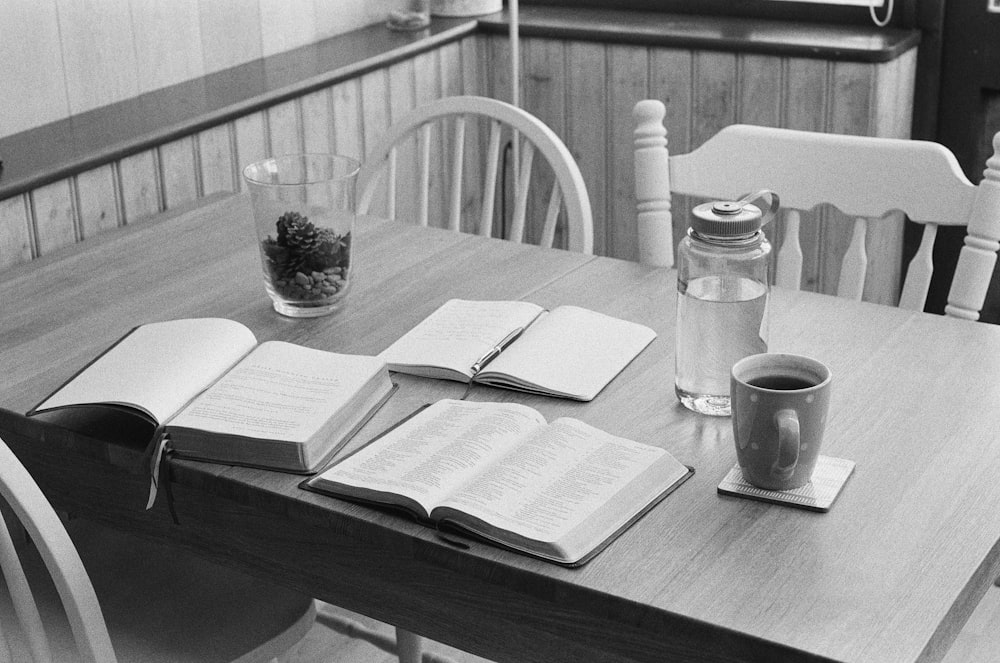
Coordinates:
x,y
723,277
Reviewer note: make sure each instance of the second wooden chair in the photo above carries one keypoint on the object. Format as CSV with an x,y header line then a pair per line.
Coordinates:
x,y
449,151
864,177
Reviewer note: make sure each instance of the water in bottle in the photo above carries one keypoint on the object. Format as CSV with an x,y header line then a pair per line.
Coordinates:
x,y
720,320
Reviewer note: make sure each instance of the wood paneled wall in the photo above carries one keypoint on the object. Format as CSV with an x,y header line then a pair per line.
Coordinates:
x,y
343,118
586,90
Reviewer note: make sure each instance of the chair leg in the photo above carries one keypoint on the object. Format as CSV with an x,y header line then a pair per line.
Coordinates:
x,y
408,646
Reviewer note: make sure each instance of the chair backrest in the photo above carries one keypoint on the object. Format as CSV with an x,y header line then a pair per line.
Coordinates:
x,y
864,177
57,551
466,127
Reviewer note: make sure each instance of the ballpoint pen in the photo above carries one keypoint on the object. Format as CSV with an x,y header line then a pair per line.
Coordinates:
x,y
492,353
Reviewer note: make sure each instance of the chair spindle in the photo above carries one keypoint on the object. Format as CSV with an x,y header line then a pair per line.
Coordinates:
x,y
390,197
788,262
490,178
551,217
854,266
457,164
521,192
919,272
424,174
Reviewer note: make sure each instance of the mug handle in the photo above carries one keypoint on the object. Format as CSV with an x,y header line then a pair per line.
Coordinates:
x,y
788,438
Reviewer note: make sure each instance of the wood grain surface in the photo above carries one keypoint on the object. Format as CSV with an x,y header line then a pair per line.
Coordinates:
x,y
890,574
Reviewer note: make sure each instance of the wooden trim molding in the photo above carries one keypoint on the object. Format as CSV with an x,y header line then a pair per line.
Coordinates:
x,y
799,10
826,41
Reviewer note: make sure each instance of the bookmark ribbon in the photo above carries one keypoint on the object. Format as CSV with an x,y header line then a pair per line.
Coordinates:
x,y
156,459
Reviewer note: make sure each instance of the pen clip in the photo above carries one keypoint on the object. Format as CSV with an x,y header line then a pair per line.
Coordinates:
x,y
492,353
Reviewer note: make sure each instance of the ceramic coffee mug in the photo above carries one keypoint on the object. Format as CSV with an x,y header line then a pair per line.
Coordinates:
x,y
779,404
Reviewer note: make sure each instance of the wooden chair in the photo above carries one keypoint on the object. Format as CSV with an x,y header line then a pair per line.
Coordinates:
x,y
447,175
99,596
445,122
863,177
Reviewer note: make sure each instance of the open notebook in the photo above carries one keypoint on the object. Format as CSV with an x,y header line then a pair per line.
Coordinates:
x,y
569,352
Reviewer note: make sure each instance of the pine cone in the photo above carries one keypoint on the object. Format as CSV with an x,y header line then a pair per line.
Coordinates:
x,y
284,222
297,232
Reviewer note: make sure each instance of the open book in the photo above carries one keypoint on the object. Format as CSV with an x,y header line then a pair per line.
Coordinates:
x,y
570,352
220,396
559,491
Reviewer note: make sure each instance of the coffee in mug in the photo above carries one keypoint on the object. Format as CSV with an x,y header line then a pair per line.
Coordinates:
x,y
779,409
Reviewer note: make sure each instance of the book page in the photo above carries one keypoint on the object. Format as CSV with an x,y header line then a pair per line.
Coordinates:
x,y
555,480
279,391
457,334
158,367
438,449
571,352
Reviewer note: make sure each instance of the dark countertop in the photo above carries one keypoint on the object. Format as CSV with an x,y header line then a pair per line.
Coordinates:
x,y
747,35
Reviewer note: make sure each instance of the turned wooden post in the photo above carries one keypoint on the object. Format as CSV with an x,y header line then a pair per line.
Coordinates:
x,y
652,185
979,253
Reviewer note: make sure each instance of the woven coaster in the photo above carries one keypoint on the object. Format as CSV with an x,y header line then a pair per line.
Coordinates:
x,y
828,478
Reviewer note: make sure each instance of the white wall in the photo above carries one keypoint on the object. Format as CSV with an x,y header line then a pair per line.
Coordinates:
x,y
61,57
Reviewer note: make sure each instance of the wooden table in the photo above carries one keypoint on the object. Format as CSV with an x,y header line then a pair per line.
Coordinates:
x,y
890,574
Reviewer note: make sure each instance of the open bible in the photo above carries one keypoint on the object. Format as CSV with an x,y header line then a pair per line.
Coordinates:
x,y
569,352
559,491
219,395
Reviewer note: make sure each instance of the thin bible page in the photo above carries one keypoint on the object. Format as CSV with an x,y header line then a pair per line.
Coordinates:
x,y
555,480
437,450
159,366
279,391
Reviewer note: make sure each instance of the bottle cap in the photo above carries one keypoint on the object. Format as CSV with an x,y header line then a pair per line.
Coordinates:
x,y
724,218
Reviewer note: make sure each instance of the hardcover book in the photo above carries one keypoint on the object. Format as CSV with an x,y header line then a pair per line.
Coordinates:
x,y
499,472
220,396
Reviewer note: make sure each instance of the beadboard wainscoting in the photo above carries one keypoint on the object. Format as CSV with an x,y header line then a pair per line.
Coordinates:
x,y
585,91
